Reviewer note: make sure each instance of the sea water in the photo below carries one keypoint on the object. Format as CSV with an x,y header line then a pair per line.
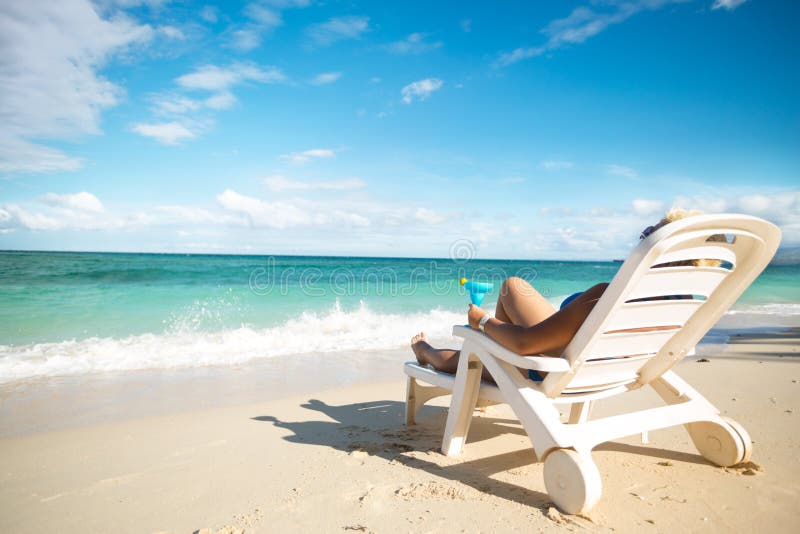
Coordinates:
x,y
67,313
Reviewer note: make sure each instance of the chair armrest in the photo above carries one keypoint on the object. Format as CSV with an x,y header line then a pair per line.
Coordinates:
x,y
537,363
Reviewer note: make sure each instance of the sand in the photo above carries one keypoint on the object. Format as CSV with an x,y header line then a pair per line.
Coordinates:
x,y
341,460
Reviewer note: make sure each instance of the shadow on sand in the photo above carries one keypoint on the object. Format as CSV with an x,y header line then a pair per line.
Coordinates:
x,y
377,429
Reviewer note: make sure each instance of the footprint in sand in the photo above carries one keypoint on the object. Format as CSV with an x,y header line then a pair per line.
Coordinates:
x,y
429,490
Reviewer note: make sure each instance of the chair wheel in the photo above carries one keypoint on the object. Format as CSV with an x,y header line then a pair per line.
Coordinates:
x,y
744,436
723,444
572,481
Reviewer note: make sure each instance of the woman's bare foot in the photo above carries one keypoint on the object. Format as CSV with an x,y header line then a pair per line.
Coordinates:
x,y
420,346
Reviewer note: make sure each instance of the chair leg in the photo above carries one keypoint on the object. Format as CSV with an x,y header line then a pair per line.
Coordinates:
x,y
579,412
417,396
411,400
462,405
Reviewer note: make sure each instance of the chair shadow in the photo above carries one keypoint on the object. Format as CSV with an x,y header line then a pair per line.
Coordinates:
x,y
666,454
375,428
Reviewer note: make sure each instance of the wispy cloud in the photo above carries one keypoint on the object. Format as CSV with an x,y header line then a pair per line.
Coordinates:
x,y
279,183
466,25
325,78
263,17
556,165
338,29
176,104
580,25
83,201
219,81
283,214
19,155
50,82
209,14
261,213
171,32
72,211
413,44
298,158
168,133
214,78
621,170
420,90
727,4
429,217
245,39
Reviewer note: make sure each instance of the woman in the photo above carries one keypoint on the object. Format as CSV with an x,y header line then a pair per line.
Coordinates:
x,y
525,322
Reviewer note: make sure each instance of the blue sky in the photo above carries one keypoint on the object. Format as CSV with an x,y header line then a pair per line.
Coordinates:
x,y
526,129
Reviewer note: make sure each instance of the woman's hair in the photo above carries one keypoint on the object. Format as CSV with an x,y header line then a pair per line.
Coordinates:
x,y
676,214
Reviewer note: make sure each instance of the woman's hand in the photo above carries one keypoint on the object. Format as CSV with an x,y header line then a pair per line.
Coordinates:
x,y
474,315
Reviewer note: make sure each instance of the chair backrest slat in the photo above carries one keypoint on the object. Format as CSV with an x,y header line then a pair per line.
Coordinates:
x,y
708,251
622,345
652,313
673,281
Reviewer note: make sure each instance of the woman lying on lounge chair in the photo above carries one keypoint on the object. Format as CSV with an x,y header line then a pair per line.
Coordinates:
x,y
525,322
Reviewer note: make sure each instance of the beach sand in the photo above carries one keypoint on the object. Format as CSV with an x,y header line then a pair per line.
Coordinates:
x,y
342,460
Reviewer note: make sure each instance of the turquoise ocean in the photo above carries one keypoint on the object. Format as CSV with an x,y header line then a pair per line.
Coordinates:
x,y
65,313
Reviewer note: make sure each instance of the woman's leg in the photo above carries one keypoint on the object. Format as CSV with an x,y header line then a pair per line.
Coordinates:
x,y
445,360
519,303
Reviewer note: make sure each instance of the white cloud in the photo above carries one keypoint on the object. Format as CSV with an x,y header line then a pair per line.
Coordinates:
x,y
283,215
214,78
176,214
298,158
71,211
81,201
264,214
16,216
173,104
642,206
265,17
262,18
279,183
172,32
430,217
49,83
169,133
219,81
413,44
466,25
209,14
245,40
222,100
325,78
17,155
337,29
621,170
581,24
727,4
556,165
518,54
421,89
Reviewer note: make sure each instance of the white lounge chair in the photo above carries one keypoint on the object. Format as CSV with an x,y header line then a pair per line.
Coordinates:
x,y
605,358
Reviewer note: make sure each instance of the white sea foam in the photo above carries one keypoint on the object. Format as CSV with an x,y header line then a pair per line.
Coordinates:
x,y
330,332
